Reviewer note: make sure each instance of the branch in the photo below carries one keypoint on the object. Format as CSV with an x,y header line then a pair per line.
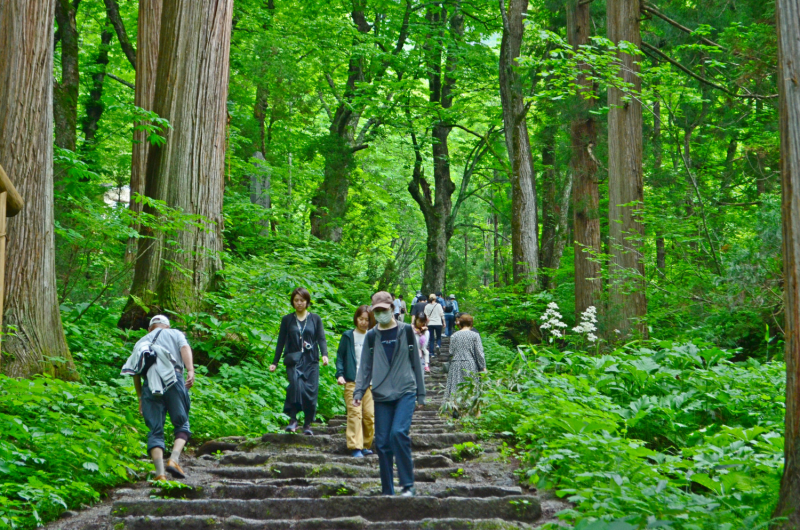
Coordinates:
x,y
120,80
701,78
359,148
112,10
325,105
650,9
488,144
333,87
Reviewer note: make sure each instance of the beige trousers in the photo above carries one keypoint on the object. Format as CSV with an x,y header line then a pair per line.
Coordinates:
x,y
360,420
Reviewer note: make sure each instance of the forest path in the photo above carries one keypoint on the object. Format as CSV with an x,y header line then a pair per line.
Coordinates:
x,y
291,481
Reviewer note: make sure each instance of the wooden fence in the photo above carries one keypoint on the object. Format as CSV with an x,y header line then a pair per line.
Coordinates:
x,y
10,205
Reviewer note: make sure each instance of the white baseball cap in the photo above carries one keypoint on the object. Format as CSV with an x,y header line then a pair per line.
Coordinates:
x,y
159,319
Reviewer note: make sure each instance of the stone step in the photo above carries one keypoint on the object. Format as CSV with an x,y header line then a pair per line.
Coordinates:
x,y
337,444
521,508
319,488
257,459
306,470
348,523
415,428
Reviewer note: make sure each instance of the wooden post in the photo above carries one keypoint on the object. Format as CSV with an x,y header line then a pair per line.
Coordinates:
x,y
10,205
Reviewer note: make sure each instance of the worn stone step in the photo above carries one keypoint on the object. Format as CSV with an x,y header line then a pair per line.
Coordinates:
x,y
336,470
319,488
337,444
256,459
348,523
378,508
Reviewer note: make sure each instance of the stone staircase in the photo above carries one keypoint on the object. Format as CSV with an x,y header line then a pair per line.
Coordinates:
x,y
291,481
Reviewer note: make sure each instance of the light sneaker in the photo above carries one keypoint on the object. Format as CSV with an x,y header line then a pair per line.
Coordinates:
x,y
408,491
174,469
356,453
367,452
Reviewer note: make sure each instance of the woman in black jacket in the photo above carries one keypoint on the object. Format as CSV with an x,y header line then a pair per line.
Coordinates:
x,y
360,420
301,341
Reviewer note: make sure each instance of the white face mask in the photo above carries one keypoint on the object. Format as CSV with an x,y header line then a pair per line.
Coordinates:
x,y
383,317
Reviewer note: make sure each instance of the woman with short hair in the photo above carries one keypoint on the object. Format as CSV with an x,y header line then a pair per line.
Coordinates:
x,y
435,315
301,341
360,420
466,357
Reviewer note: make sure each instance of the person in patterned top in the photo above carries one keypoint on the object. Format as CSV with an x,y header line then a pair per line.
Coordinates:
x,y
466,357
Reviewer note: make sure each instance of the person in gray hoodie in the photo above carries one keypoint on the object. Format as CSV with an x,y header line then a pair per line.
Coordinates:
x,y
390,361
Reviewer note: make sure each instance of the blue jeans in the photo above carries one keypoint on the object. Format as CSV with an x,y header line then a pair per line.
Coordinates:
x,y
450,323
154,409
436,337
392,424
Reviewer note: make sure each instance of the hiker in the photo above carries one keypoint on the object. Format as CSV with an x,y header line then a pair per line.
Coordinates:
x,y
396,307
450,312
403,309
435,314
390,362
417,299
466,357
439,299
421,331
360,420
161,357
418,309
301,341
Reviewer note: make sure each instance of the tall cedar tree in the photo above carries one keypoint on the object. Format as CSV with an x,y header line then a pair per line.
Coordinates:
x,y
788,13
524,222
187,171
37,344
585,193
627,299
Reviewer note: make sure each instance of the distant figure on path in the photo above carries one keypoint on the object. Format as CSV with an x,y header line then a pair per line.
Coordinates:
x,y
435,313
421,330
301,341
418,308
396,308
360,420
403,309
466,357
450,312
391,363
161,357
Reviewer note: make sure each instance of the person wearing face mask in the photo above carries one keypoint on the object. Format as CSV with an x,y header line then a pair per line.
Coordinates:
x,y
301,341
360,420
390,363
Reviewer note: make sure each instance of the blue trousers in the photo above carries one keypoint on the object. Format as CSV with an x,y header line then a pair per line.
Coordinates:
x,y
450,323
392,425
154,408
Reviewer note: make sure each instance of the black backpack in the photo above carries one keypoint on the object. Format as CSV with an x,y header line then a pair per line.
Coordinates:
x,y
449,307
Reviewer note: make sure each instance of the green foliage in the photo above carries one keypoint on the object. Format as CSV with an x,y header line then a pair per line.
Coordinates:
x,y
466,451
649,433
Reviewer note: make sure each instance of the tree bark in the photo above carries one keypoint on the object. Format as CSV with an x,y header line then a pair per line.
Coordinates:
x,y
260,184
94,105
36,342
149,31
555,210
658,158
583,164
788,15
524,222
65,104
187,171
627,298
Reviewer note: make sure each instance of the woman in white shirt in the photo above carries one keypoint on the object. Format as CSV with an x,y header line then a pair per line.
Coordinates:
x,y
360,420
435,314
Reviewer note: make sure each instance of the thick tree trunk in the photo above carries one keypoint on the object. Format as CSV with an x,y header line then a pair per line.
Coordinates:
x,y
330,201
524,223
627,298
187,171
658,158
260,184
95,106
788,14
555,211
585,193
149,31
65,104
37,344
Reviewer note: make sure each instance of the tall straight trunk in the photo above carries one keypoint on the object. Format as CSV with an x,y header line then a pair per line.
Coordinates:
x,y
627,297
26,153
557,191
95,106
149,31
585,192
65,100
788,14
658,158
524,223
260,184
187,171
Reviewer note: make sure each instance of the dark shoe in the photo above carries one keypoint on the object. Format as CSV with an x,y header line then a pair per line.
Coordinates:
x,y
356,453
366,452
292,427
408,491
174,469
307,431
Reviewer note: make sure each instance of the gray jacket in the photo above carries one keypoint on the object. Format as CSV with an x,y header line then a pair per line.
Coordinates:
x,y
390,382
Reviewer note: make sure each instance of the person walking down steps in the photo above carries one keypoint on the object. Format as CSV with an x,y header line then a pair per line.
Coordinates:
x,y
360,420
161,357
301,341
391,363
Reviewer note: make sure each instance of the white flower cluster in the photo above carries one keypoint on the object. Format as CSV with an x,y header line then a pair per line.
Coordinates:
x,y
587,323
552,320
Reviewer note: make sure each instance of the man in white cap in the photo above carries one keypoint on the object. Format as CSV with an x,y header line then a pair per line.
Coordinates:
x,y
174,401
